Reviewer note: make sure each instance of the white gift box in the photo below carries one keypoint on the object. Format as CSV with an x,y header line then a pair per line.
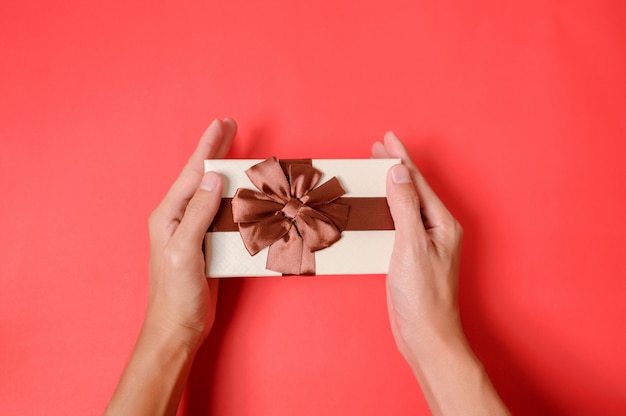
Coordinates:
x,y
357,252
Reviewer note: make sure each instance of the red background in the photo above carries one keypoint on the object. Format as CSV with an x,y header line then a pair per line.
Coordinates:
x,y
515,112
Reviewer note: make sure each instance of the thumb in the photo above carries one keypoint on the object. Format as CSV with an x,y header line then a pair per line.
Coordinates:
x,y
404,205
200,210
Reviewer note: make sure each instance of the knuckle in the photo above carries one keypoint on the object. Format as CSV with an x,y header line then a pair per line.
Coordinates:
x,y
456,236
413,245
195,207
153,219
452,236
409,201
174,257
458,231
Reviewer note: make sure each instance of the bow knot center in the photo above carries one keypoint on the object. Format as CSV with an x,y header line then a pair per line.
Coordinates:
x,y
291,209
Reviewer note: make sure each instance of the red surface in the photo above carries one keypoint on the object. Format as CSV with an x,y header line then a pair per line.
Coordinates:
x,y
516,111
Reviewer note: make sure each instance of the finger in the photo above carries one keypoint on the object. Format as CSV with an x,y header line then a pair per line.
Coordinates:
x,y
230,130
199,213
411,243
404,204
379,151
208,145
214,143
434,211
176,199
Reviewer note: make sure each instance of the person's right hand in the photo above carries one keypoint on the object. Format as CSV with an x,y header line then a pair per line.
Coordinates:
x,y
422,293
424,267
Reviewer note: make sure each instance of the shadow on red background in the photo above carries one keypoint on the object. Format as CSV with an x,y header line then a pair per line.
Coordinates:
x,y
199,395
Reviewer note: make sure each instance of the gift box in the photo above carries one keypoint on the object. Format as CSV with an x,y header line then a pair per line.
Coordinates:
x,y
291,217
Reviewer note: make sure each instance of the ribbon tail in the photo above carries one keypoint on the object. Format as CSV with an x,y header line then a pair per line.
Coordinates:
x,y
307,265
289,255
260,234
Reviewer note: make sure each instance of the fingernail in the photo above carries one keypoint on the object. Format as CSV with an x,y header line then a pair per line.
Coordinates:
x,y
214,123
392,135
209,181
400,174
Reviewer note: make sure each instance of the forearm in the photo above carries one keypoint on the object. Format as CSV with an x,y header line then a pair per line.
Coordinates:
x,y
453,380
155,376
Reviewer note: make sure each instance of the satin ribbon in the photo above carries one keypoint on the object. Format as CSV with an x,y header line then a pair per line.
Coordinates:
x,y
290,215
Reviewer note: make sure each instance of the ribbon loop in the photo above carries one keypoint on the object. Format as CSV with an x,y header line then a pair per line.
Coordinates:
x,y
289,215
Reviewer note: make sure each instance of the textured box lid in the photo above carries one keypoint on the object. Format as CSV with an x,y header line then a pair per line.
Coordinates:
x,y
357,252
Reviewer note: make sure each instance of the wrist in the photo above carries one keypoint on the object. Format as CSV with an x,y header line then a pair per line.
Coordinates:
x,y
169,334
431,344
156,373
452,378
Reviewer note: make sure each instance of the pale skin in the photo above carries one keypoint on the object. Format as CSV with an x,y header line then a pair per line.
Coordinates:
x,y
421,290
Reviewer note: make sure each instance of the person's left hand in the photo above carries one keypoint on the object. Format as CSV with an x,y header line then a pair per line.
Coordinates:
x,y
182,300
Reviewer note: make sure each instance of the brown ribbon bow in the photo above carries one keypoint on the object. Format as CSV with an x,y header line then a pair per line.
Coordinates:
x,y
289,214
